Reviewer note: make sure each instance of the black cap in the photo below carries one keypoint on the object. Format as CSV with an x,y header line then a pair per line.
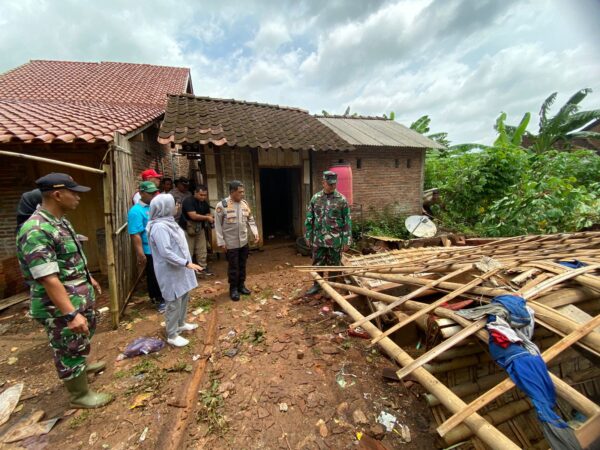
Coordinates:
x,y
56,180
183,180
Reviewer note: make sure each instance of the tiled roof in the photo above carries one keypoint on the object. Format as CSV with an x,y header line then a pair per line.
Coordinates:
x,y
376,132
50,101
202,120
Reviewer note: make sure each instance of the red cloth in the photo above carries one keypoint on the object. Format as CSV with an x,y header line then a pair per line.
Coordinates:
x,y
499,339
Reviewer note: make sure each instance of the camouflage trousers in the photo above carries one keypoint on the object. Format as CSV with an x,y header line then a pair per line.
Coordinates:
x,y
327,256
70,349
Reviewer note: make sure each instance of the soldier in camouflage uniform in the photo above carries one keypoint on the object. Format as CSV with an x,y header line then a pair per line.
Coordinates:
x,y
328,226
61,286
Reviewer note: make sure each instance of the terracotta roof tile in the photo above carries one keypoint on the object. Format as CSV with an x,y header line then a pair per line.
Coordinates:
x,y
74,101
190,119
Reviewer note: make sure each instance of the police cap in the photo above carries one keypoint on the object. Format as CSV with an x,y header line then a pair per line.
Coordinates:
x,y
56,180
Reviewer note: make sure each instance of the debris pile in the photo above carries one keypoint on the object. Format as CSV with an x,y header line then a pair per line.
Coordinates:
x,y
471,396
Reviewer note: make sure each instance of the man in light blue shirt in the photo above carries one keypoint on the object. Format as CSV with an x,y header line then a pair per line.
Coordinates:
x,y
137,219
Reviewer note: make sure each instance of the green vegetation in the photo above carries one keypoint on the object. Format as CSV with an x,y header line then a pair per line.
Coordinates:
x,y
79,419
211,408
524,183
151,376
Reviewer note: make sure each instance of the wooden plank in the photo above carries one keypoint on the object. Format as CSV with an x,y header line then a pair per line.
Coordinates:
x,y
413,294
507,384
471,284
441,348
13,300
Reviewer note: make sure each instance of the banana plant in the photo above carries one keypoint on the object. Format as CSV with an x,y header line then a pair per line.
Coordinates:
x,y
562,128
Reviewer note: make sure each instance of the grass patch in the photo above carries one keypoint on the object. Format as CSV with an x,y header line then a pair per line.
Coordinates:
x,y
266,294
121,374
253,335
80,419
205,303
180,366
211,408
153,377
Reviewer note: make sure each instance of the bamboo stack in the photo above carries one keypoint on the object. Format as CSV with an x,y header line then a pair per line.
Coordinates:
x,y
566,316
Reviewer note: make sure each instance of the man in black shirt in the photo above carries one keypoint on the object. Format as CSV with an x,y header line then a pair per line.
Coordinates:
x,y
196,220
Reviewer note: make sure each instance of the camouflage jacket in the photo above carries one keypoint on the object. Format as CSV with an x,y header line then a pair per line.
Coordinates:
x,y
328,222
47,245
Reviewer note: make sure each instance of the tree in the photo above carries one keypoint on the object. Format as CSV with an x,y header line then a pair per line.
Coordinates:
x,y
560,130
421,126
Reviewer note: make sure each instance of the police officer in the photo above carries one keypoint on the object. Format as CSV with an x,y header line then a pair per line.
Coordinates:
x,y
328,226
61,286
233,217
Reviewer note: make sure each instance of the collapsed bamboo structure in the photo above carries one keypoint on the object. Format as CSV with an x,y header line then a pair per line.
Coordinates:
x,y
469,395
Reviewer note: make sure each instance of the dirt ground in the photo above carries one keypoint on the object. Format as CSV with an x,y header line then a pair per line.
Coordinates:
x,y
284,374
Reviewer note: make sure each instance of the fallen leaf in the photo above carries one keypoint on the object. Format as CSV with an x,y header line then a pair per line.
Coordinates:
x,y
140,400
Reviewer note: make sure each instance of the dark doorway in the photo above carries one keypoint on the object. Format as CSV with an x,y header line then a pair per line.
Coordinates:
x,y
279,196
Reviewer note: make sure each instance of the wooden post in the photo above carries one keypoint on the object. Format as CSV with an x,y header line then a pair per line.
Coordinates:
x,y
113,289
483,429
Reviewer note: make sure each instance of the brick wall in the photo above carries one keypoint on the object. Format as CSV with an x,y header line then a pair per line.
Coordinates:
x,y
14,180
378,183
147,153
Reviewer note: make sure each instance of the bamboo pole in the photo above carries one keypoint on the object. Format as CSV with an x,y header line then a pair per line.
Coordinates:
x,y
464,288
446,285
110,247
484,430
448,343
574,397
508,384
543,314
51,161
413,294
586,280
544,286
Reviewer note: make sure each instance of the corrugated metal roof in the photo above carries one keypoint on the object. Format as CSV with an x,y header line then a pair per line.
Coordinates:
x,y
376,131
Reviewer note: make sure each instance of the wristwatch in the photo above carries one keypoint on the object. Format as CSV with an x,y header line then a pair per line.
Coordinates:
x,y
70,316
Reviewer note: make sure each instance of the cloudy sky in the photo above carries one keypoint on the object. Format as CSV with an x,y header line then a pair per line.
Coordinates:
x,y
460,61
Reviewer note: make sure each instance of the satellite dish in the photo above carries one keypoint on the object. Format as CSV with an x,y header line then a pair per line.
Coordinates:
x,y
420,226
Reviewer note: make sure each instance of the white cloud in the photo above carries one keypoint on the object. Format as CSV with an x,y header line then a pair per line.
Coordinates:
x,y
270,37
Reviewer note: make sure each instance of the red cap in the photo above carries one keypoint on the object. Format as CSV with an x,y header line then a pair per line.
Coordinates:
x,y
150,173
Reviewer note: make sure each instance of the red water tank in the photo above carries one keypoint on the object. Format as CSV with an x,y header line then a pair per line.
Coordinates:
x,y
344,176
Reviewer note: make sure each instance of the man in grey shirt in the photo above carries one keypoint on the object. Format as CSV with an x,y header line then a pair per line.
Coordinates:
x,y
180,193
233,217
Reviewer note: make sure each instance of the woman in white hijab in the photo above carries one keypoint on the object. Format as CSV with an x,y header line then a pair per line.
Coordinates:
x,y
173,266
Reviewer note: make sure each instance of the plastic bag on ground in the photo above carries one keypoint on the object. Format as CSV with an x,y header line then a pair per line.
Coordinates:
x,y
142,346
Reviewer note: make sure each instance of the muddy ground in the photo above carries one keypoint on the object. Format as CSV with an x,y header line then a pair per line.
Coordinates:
x,y
284,374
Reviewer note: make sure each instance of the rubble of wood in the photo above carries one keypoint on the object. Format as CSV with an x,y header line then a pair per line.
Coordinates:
x,y
470,396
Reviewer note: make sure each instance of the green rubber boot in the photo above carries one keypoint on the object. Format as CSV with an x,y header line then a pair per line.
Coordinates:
x,y
95,367
82,397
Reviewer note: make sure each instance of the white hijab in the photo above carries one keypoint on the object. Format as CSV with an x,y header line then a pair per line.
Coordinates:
x,y
162,210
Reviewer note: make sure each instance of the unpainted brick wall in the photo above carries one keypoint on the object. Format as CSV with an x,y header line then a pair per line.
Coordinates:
x,y
14,180
378,183
149,154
